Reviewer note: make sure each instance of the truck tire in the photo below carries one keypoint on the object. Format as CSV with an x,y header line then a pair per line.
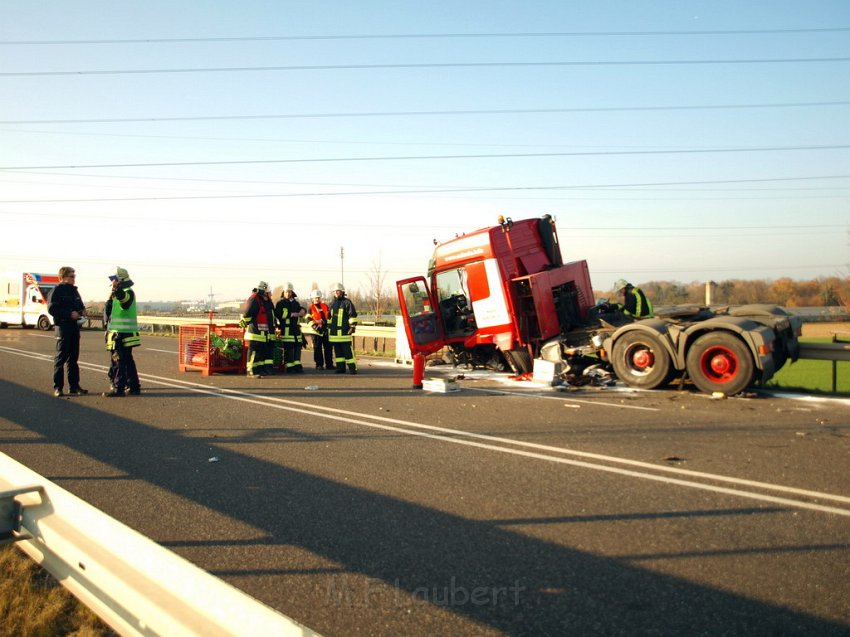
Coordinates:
x,y
720,362
44,323
519,360
640,360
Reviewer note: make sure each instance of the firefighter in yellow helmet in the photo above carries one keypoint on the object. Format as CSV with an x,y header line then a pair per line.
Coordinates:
x,y
341,327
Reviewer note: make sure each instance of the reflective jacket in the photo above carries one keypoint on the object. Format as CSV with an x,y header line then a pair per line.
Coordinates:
x,y
636,304
320,314
258,317
343,319
122,319
286,312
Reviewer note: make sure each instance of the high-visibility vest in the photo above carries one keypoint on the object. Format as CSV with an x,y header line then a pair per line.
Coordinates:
x,y
123,319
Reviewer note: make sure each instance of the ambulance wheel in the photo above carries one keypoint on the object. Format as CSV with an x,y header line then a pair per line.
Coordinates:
x,y
640,360
720,362
43,323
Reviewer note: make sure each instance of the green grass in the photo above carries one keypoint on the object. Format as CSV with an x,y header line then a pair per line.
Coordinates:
x,y
813,376
32,603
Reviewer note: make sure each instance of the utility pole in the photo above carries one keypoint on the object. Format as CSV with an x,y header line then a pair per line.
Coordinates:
x,y
341,268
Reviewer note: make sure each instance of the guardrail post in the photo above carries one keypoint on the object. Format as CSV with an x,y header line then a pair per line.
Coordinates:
x,y
834,368
11,514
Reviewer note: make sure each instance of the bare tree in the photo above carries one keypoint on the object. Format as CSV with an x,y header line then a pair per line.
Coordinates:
x,y
377,297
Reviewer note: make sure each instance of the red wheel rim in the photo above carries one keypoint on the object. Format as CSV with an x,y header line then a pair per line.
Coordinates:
x,y
639,359
643,358
719,364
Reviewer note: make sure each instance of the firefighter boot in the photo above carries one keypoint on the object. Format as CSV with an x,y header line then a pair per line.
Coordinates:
x,y
340,368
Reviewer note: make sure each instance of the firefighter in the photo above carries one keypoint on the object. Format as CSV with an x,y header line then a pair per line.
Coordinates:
x,y
319,316
635,302
122,335
66,307
258,323
341,327
288,311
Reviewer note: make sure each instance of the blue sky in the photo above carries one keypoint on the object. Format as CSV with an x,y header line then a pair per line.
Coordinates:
x,y
127,137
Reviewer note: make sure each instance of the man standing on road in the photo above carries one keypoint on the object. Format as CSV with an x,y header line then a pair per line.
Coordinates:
x,y
320,315
122,335
341,329
288,312
258,323
66,307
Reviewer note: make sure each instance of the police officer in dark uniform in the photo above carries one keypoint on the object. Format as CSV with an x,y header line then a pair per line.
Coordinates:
x,y
66,307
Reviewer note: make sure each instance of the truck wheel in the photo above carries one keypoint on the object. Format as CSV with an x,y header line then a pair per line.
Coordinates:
x,y
43,323
519,360
720,362
640,360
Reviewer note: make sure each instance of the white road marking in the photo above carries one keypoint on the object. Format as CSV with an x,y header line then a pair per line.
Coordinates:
x,y
444,434
164,351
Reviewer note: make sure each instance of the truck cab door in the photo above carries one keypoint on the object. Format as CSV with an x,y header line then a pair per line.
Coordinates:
x,y
422,322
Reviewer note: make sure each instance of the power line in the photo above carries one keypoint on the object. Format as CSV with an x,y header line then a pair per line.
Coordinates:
x,y
412,36
462,112
434,190
823,228
607,153
422,65
203,180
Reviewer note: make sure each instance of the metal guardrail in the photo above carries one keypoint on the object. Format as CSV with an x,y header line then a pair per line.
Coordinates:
x,y
835,351
136,586
362,330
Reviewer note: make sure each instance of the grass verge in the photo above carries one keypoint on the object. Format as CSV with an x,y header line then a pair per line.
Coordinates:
x,y
33,603
813,376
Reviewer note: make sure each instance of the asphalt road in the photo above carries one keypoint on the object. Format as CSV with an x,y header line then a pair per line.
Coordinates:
x,y
367,508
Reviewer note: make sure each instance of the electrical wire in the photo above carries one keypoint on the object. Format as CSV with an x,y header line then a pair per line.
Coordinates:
x,y
607,153
413,36
421,65
462,112
434,190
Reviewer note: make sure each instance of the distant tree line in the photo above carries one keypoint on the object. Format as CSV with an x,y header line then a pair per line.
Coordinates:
x,y
820,292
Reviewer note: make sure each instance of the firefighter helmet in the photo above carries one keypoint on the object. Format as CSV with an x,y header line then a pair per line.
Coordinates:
x,y
620,284
315,294
262,286
338,287
289,287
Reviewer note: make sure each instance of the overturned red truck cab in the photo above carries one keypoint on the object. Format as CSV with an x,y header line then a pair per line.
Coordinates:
x,y
502,296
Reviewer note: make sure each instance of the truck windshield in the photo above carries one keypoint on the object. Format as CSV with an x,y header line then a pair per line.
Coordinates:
x,y
455,306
